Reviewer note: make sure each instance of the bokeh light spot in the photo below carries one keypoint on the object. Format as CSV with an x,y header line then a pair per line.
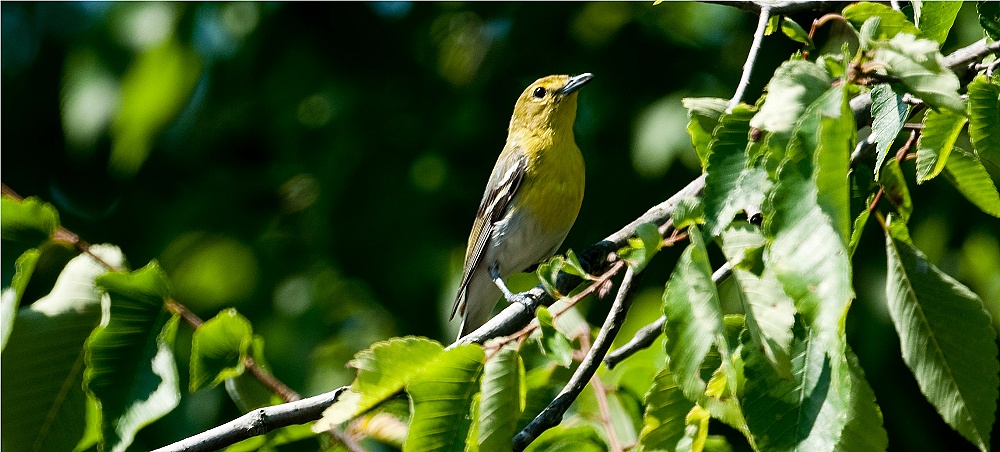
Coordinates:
x,y
315,111
660,136
429,172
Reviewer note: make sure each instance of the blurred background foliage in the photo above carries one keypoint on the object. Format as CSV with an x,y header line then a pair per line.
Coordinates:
x,y
318,166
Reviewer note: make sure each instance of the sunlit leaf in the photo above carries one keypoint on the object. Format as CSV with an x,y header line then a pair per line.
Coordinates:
x,y
43,362
11,298
935,18
732,182
696,430
864,431
218,349
919,67
29,222
795,32
383,370
795,85
130,362
984,119
936,142
946,338
694,317
967,174
501,400
703,117
642,247
889,113
441,394
553,343
687,212
891,22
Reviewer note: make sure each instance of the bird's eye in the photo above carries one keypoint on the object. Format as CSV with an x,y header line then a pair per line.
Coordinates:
x,y
539,92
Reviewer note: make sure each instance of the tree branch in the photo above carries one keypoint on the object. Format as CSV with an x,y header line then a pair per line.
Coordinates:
x,y
259,422
553,413
777,7
758,38
648,334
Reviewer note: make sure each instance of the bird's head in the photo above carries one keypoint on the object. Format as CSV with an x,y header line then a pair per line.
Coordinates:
x,y
548,104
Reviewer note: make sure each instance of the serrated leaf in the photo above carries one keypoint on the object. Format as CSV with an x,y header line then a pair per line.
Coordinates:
x,y
919,67
769,317
889,114
501,400
989,18
41,375
891,22
936,141
935,18
666,407
130,362
894,185
642,247
946,338
967,174
218,349
864,431
808,217
733,182
984,119
694,317
383,370
794,86
805,413
688,211
703,117
441,394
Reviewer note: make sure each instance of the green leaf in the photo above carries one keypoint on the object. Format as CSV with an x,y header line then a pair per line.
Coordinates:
x,y
919,67
270,440
218,349
891,22
864,431
894,185
642,247
384,369
936,141
688,211
666,407
130,362
889,113
153,90
553,343
696,430
29,222
703,117
11,299
794,86
935,18
805,413
808,217
441,394
41,375
946,338
732,181
501,401
967,174
694,317
989,18
984,120
769,317
795,32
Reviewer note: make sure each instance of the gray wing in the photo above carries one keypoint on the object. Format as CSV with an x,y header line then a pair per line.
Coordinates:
x,y
492,208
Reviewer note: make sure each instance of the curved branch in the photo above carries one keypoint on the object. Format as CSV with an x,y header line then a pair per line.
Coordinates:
x,y
758,38
553,413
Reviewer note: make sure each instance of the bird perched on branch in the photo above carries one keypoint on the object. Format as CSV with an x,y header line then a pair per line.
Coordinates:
x,y
532,198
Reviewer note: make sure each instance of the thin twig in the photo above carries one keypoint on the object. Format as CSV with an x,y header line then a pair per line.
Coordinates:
x,y
259,422
777,6
553,413
758,38
601,395
648,334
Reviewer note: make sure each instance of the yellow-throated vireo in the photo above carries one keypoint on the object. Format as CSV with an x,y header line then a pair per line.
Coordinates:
x,y
532,198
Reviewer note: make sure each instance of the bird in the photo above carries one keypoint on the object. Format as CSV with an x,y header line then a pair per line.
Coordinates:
x,y
531,201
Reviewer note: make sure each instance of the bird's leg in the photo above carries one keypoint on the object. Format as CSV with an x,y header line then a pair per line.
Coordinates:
x,y
495,276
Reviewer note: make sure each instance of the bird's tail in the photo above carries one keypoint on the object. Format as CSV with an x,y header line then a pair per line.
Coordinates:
x,y
481,297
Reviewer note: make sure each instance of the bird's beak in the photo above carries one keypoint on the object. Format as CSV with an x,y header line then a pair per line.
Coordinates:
x,y
575,83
